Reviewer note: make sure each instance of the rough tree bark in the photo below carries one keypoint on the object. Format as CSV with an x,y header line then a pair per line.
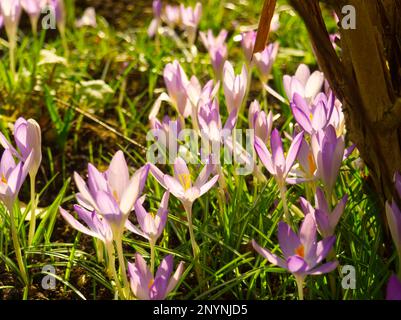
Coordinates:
x,y
366,77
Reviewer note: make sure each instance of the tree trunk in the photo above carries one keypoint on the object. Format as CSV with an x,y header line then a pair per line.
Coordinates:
x,y
366,78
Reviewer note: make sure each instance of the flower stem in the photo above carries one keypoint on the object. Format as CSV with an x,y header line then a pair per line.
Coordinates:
x,y
17,247
300,286
12,59
111,268
195,247
152,256
121,262
287,216
32,223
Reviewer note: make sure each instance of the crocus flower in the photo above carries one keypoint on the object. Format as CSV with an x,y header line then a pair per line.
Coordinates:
x,y
210,121
27,135
112,193
234,86
181,186
328,151
264,60
217,49
11,13
145,286
152,225
177,82
88,19
155,23
172,15
302,254
304,83
276,163
307,170
190,18
97,227
260,122
248,43
315,117
326,219
166,132
12,176
33,8
393,288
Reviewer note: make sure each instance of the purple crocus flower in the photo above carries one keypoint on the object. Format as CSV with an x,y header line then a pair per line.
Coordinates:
x,y
190,18
145,286
217,50
33,8
97,226
27,136
393,288
260,122
11,14
264,60
276,163
112,193
155,23
328,151
303,255
177,82
234,86
12,176
88,19
315,117
210,41
166,132
326,219
152,225
304,83
248,43
210,122
181,186
172,15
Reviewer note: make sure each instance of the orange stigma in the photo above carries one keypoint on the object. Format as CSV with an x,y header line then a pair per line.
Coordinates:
x,y
300,251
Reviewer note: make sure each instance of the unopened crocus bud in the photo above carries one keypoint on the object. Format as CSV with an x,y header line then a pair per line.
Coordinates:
x,y
172,15
264,60
88,19
28,138
190,18
247,43
11,12
234,86
260,122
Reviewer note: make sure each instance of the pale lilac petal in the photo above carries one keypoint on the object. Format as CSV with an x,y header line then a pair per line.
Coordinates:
x,y
296,264
287,239
77,225
293,152
264,155
324,268
273,259
208,185
324,247
175,278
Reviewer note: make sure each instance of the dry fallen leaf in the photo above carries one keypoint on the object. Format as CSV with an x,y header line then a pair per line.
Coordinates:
x,y
264,25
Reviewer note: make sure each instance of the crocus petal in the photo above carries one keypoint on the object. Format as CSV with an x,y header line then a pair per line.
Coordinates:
x,y
157,174
135,230
273,259
307,235
323,248
207,186
77,225
314,84
264,155
175,278
174,186
296,264
134,189
293,152
277,150
324,268
287,239
323,223
118,175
